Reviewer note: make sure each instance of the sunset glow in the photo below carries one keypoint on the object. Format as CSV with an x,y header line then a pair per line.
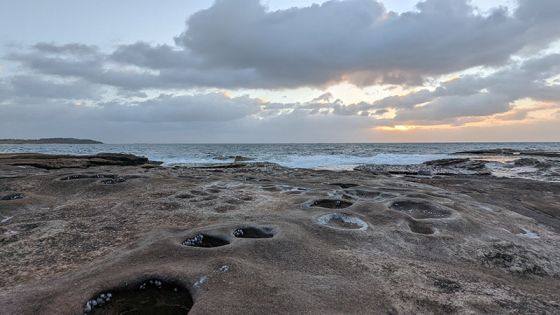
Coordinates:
x,y
254,78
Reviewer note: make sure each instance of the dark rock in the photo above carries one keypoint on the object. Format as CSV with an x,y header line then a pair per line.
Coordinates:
x,y
532,162
420,227
526,162
240,158
458,163
425,172
513,258
112,181
447,286
421,209
508,152
205,240
220,166
49,161
184,196
152,296
331,203
235,158
446,162
12,197
344,185
430,168
253,232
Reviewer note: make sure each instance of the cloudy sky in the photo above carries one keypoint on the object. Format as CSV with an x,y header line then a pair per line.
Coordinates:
x,y
280,71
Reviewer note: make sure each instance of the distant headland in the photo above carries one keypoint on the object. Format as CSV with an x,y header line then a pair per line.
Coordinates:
x,y
49,141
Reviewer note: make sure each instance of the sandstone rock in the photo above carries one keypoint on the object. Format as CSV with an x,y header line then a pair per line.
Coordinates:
x,y
46,161
350,242
509,152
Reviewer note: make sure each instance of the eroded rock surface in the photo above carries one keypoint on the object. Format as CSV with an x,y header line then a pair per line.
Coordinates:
x,y
265,239
511,152
47,161
537,167
459,166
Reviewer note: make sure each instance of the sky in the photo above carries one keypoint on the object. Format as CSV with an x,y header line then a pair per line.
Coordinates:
x,y
242,71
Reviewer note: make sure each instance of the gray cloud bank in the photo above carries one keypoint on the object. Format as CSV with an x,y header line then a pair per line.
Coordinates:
x,y
239,44
466,96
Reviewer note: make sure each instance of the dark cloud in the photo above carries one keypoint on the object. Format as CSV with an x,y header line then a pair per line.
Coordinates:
x,y
473,95
240,44
207,117
137,91
164,108
479,95
186,108
354,40
456,106
19,86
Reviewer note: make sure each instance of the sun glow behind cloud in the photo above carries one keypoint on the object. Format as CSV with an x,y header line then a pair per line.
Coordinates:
x,y
444,66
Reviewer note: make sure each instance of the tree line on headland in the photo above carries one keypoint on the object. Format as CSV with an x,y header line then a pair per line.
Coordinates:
x,y
49,141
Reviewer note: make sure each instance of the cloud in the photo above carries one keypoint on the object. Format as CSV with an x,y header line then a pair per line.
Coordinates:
x,y
32,86
210,117
455,106
241,44
213,107
149,91
187,108
477,94
473,95
360,41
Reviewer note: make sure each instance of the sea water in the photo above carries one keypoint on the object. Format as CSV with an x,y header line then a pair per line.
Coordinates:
x,y
308,155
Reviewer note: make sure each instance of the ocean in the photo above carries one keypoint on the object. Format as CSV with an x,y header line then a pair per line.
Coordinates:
x,y
319,155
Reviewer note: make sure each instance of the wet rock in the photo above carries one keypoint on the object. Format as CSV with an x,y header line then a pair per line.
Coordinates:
x,y
345,185
526,162
420,228
447,286
220,167
253,232
112,181
239,158
12,197
150,297
331,203
420,209
509,152
380,169
529,234
271,188
532,162
513,258
49,161
184,196
365,194
342,221
447,162
108,179
205,240
425,172
466,164
235,158
448,167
